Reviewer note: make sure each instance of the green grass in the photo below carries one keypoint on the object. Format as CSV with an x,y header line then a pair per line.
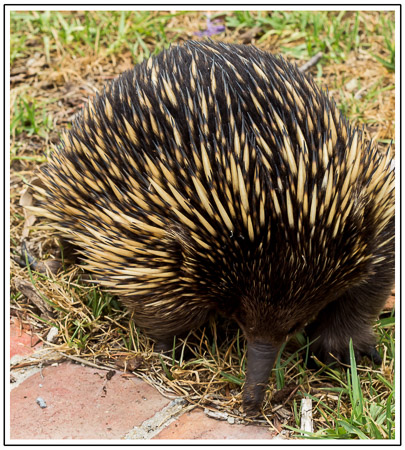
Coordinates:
x,y
31,117
302,34
85,327
81,32
387,29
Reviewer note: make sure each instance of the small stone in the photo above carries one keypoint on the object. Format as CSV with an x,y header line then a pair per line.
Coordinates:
x,y
53,332
41,402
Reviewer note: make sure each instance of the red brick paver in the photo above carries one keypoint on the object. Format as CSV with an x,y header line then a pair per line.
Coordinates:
x,y
78,406
21,339
196,425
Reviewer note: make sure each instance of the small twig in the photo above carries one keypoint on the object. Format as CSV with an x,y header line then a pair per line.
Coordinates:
x,y
41,366
33,363
87,363
291,395
312,62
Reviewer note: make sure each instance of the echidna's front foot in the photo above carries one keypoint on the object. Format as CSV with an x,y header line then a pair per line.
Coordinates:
x,y
375,356
332,351
350,317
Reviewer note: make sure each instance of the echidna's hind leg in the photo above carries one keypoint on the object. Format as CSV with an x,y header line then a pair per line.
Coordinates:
x,y
164,334
352,316
164,345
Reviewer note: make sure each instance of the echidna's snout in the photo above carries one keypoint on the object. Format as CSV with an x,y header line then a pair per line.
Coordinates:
x,y
260,360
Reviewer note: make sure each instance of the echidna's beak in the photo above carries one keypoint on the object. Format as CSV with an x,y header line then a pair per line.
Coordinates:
x,y
260,361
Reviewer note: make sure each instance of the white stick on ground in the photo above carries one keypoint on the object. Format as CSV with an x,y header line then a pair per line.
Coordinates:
x,y
306,415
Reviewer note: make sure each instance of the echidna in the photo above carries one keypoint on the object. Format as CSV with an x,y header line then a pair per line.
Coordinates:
x,y
219,178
